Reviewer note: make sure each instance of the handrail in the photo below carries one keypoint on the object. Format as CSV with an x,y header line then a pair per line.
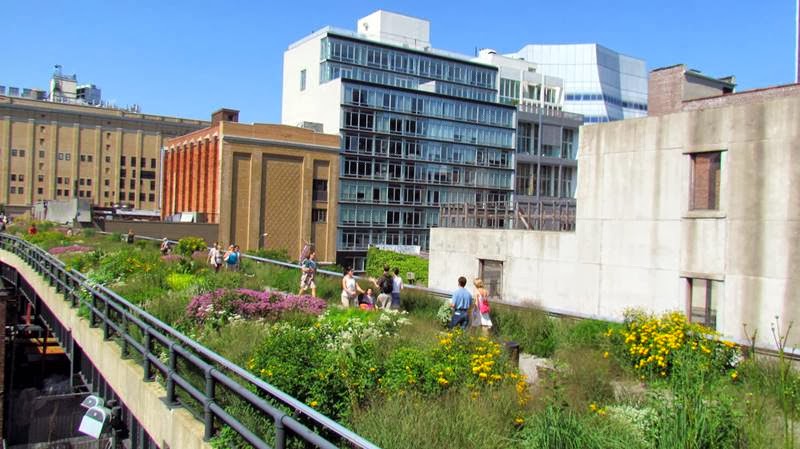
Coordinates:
x,y
104,304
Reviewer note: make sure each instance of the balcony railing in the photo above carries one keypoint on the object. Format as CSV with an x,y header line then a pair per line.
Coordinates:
x,y
533,215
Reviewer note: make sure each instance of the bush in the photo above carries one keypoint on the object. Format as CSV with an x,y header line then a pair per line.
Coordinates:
x,y
180,281
377,258
558,428
651,342
188,245
420,303
280,254
221,306
531,328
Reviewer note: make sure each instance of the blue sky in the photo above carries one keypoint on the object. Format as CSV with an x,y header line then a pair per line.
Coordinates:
x,y
187,59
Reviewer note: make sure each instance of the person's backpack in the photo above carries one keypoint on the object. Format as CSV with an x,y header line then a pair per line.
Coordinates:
x,y
386,285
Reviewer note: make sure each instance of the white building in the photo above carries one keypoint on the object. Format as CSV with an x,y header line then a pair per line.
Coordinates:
x,y
599,83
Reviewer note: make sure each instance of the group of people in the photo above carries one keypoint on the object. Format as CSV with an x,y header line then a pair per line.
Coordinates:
x,y
230,259
469,312
388,286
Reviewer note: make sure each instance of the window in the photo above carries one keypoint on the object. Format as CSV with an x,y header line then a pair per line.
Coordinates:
x,y
13,189
549,95
319,215
14,152
320,190
706,170
133,162
105,194
108,159
67,156
40,178
122,160
131,196
40,191
21,154
702,301
151,197
492,275
303,79
88,182
152,162
60,156
133,184
41,153
13,177
106,182
58,192
141,197
82,182
152,185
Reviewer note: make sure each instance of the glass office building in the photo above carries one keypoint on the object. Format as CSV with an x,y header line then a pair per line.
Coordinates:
x,y
599,83
419,128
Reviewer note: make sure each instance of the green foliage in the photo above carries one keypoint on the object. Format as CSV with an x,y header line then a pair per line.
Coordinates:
x,y
115,237
531,328
180,281
280,254
586,333
558,428
188,245
455,420
377,258
420,303
88,233
48,239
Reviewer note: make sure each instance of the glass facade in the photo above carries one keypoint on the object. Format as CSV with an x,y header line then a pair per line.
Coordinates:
x,y
418,130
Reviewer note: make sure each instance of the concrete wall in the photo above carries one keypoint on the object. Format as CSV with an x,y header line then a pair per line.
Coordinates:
x,y
176,427
157,229
637,243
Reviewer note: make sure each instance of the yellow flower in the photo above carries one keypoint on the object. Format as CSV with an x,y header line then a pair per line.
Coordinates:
x,y
519,421
605,355
482,375
734,375
314,403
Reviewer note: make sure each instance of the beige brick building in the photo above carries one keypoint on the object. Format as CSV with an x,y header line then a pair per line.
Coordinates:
x,y
256,179
53,151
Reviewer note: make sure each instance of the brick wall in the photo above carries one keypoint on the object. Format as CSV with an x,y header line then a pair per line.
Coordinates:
x,y
741,98
665,90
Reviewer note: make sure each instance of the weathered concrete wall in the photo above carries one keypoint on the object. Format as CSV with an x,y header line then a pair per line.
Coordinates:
x,y
172,231
636,241
175,428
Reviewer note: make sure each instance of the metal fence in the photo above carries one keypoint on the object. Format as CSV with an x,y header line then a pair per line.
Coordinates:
x,y
542,215
190,371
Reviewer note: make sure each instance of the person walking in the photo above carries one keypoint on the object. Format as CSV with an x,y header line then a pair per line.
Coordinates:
x,y
480,313
215,257
384,285
231,258
350,288
309,268
129,237
32,230
164,246
460,303
397,286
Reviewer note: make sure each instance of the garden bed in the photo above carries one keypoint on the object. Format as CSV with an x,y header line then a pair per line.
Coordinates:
x,y
401,380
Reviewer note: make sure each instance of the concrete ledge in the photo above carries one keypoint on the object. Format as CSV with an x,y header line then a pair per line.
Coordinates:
x,y
170,428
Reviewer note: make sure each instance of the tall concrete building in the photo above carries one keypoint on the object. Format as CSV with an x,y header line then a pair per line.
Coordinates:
x,y
254,180
420,127
57,151
599,83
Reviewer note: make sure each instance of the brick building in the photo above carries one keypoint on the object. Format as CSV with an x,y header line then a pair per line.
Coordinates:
x,y
256,179
54,151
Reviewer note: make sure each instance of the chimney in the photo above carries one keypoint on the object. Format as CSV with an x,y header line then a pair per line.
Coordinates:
x,y
224,115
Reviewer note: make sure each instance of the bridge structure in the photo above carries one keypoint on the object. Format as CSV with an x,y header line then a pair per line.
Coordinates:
x,y
172,391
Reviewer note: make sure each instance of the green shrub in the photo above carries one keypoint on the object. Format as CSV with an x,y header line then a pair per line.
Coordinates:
x,y
531,328
180,281
48,239
420,303
559,428
377,258
88,233
115,237
586,333
188,245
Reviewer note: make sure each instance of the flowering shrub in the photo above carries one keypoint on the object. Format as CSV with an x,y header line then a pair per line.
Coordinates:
x,y
180,281
222,305
69,249
188,245
652,342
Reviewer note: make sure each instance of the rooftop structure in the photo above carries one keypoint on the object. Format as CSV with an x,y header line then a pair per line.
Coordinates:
x,y
599,83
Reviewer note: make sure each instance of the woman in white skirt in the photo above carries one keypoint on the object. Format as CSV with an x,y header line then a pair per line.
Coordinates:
x,y
350,289
480,311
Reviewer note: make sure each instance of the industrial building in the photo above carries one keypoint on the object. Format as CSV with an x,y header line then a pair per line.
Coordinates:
x,y
266,186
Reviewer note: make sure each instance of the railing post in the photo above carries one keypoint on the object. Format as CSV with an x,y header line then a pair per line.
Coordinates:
x,y
125,350
106,327
92,316
280,433
209,417
146,355
170,375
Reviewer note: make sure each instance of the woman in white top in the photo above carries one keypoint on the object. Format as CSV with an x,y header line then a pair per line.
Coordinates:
x,y
480,312
350,288
215,257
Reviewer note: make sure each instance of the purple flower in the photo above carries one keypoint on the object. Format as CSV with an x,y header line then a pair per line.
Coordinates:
x,y
252,304
70,249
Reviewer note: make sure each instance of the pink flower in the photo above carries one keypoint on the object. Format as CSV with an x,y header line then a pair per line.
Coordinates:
x,y
252,304
70,249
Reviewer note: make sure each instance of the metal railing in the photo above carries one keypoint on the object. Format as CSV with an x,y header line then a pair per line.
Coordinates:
x,y
191,370
533,215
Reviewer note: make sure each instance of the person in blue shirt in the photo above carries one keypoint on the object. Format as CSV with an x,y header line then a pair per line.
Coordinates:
x,y
308,267
460,303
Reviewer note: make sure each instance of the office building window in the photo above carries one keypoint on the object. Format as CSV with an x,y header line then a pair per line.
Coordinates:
x,y
319,215
303,79
533,91
568,147
706,176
